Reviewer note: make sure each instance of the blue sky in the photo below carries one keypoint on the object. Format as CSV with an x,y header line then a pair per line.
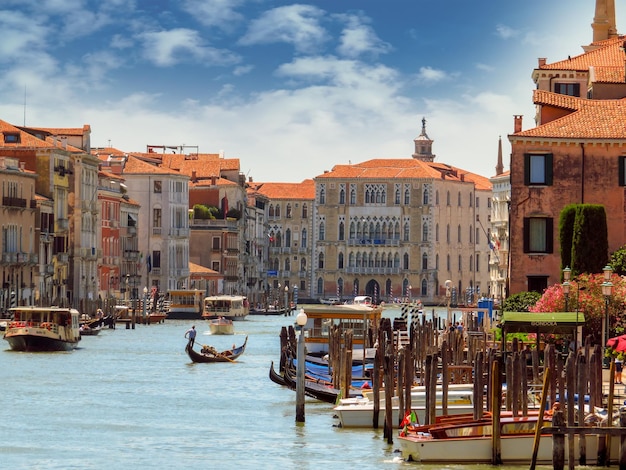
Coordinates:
x,y
290,89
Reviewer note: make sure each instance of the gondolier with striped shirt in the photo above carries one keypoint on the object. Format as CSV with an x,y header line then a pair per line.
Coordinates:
x,y
191,334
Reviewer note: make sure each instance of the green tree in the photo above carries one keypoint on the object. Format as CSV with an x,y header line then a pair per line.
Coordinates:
x,y
566,231
618,261
520,302
590,244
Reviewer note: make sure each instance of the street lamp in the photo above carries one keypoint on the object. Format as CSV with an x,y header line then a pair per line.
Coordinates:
x,y
301,320
410,293
567,272
287,308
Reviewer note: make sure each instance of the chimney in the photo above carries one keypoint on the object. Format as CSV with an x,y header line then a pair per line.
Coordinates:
x,y
517,123
194,178
542,61
213,180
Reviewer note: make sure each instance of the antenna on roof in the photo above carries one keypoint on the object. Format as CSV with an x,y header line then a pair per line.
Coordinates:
x,y
24,106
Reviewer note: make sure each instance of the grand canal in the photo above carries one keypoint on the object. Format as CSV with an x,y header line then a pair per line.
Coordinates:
x,y
132,399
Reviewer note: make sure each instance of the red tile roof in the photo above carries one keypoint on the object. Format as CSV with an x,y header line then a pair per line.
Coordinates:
x,y
589,119
135,165
274,191
398,168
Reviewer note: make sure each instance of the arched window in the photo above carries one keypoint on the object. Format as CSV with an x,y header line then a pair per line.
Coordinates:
x,y
288,211
448,233
437,261
342,231
288,237
437,232
424,261
277,211
320,261
305,211
320,286
303,264
322,195
352,230
353,196
340,261
477,262
342,196
407,233
271,210
437,197
351,260
397,196
287,264
425,200
458,233
459,199
448,262
322,231
424,292
304,238
471,237
477,236
471,263
448,198
407,197
405,261
377,232
425,232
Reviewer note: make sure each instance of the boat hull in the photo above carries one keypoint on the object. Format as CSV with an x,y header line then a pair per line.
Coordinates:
x,y
515,450
35,343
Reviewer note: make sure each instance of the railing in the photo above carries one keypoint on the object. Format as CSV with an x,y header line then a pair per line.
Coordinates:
x,y
179,232
373,241
156,230
13,202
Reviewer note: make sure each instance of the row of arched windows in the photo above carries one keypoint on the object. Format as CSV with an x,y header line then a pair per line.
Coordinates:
x,y
276,238
471,237
274,211
274,264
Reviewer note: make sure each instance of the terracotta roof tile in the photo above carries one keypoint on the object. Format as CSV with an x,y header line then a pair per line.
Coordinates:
x,y
304,190
135,165
389,168
589,119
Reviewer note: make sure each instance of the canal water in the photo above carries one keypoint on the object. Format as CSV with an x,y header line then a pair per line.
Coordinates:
x,y
133,399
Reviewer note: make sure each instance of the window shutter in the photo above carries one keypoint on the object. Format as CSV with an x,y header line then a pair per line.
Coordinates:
x,y
526,234
620,172
549,235
526,169
548,161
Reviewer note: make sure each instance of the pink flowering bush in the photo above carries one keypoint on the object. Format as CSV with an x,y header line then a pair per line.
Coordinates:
x,y
586,296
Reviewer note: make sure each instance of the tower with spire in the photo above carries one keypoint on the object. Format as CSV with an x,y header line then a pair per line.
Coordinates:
x,y
423,145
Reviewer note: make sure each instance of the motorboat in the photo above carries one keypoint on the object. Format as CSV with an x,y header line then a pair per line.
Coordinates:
x,y
233,307
43,329
221,326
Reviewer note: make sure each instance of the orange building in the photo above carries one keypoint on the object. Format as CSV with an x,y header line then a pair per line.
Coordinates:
x,y
575,155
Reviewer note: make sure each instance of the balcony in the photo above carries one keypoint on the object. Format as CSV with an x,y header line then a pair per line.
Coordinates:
x,y
46,237
48,269
156,231
156,271
179,232
131,254
62,258
9,257
15,202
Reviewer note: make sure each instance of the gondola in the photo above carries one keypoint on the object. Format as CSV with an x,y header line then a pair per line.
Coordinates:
x,y
314,390
209,354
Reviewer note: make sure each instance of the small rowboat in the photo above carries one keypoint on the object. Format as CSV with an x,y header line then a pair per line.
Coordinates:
x,y
210,354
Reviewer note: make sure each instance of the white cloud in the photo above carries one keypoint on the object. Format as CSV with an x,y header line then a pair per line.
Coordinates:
x,y
167,48
506,32
359,38
431,75
298,25
220,13
20,35
243,70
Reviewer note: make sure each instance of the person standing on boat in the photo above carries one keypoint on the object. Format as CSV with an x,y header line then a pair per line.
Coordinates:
x,y
191,334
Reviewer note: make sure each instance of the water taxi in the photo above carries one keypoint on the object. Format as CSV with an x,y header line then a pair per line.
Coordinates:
x,y
43,329
185,304
232,307
221,326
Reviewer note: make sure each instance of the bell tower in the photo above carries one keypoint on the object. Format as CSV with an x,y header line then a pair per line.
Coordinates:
x,y
423,145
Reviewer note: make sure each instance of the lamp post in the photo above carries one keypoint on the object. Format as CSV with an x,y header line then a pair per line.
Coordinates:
x,y
607,290
301,320
287,309
567,272
145,301
410,292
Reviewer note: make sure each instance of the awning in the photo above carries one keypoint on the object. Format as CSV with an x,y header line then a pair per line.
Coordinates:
x,y
542,323
132,220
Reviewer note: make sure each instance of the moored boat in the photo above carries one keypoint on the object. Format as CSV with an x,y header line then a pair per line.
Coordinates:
x,y
210,354
43,329
86,330
184,304
233,307
465,440
221,326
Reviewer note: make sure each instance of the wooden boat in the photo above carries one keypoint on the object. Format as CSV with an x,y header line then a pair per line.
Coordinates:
x,y
43,329
86,330
331,301
359,412
156,317
314,390
470,441
210,354
233,307
221,326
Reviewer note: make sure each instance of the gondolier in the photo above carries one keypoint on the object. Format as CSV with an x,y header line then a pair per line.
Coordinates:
x,y
191,334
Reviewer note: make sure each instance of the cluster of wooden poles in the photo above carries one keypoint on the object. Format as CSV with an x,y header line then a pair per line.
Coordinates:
x,y
429,357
